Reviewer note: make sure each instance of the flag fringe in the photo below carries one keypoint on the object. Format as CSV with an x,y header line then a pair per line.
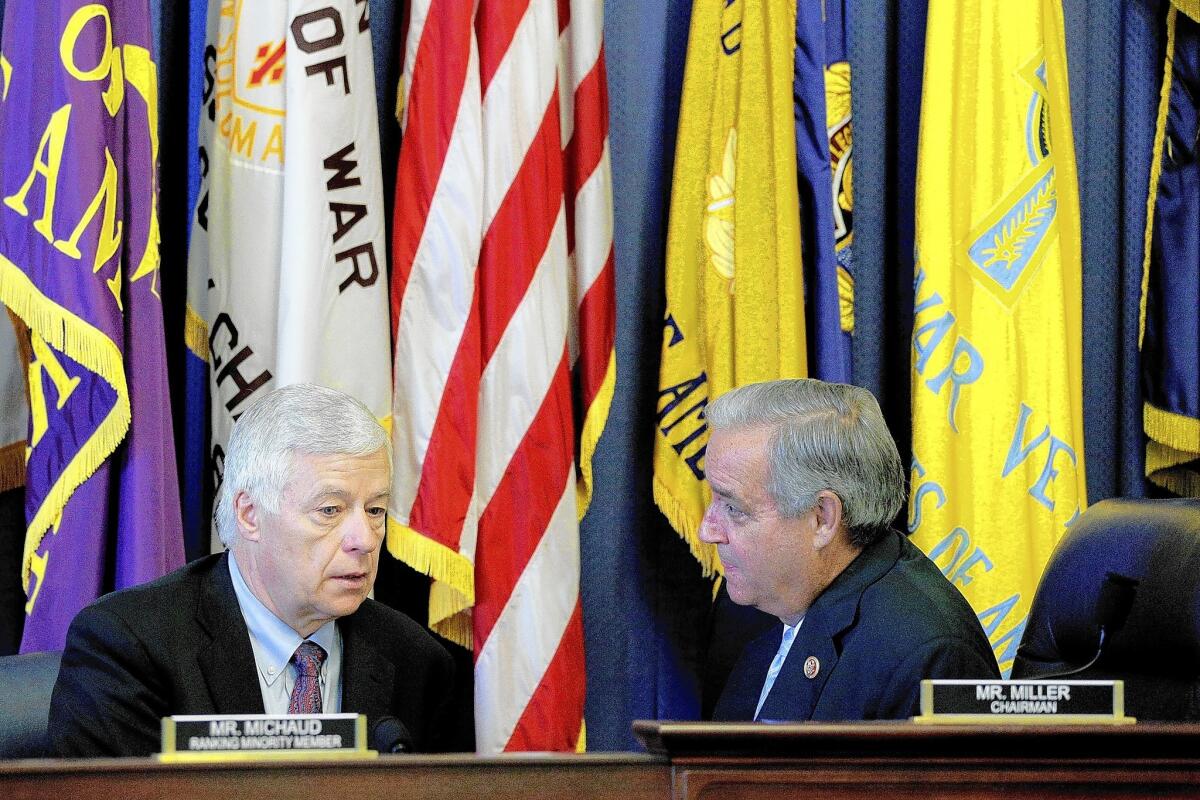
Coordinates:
x,y
453,590
12,466
195,333
677,515
1189,7
87,345
454,627
589,437
1174,442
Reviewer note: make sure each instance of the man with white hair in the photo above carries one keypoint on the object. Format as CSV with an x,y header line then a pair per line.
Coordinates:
x,y
279,623
806,481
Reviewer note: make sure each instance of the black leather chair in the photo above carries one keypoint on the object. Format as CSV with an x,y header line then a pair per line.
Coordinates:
x,y
26,682
1156,651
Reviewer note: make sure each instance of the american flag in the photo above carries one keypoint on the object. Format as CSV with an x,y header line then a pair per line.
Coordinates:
x,y
502,301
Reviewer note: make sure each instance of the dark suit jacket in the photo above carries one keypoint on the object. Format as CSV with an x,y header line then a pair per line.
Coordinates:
x,y
179,645
888,621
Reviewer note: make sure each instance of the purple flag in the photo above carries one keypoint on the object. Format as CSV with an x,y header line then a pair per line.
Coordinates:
x,y
79,264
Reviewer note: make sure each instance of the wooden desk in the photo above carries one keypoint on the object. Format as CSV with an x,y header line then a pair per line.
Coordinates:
x,y
691,761
881,761
517,777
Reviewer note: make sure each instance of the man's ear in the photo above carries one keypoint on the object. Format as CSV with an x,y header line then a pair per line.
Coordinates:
x,y
829,518
246,512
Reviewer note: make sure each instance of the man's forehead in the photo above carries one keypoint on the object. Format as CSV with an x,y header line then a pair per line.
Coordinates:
x,y
322,473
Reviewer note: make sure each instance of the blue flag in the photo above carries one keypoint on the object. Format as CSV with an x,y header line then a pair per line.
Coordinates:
x,y
1171,325
823,165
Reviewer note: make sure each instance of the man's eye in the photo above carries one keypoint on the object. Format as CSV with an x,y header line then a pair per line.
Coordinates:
x,y
328,511
377,511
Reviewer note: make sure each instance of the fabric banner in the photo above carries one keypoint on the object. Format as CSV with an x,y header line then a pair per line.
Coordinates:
x,y
79,265
824,145
287,279
998,470
502,293
734,284
1170,341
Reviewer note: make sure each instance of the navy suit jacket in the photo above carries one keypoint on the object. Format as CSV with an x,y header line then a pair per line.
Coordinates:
x,y
179,645
887,621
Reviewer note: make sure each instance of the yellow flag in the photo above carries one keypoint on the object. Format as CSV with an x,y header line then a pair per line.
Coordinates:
x,y
735,296
998,468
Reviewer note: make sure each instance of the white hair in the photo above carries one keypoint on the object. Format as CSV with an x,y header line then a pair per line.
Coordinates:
x,y
826,436
299,418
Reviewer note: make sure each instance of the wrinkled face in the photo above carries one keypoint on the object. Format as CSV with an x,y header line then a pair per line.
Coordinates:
x,y
769,559
316,559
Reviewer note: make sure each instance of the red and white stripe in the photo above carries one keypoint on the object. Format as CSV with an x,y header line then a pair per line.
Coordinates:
x,y
486,301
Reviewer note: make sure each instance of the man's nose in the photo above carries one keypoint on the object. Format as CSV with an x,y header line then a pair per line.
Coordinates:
x,y
710,527
363,532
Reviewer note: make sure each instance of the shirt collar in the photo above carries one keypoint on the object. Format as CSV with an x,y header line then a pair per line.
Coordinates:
x,y
276,639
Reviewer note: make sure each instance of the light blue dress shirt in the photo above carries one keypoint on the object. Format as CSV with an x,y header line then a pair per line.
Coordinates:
x,y
274,641
785,645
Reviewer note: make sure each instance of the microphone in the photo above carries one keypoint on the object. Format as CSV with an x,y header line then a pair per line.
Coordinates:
x,y
1112,609
388,735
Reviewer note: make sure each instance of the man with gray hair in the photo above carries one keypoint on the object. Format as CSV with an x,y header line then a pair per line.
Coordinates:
x,y
280,623
806,481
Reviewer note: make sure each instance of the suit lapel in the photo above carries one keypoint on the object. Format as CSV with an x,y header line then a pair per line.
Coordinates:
x,y
817,649
367,677
226,658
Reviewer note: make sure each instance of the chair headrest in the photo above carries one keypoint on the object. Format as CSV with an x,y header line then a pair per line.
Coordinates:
x,y
1155,542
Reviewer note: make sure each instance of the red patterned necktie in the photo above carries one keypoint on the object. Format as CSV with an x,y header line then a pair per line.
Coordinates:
x,y
306,694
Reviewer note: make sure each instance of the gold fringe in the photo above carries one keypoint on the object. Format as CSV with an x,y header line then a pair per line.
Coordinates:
x,y
195,333
1189,7
1160,132
453,591
12,466
1164,468
705,553
581,742
593,426
1174,442
68,334
1176,431
456,628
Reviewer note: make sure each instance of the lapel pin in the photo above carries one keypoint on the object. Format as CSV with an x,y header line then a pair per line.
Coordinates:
x,y
811,667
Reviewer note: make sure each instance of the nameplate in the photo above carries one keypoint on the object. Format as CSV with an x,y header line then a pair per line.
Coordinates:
x,y
1048,702
238,737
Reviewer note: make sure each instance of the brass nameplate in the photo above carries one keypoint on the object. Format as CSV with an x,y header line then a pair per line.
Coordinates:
x,y
1041,701
238,737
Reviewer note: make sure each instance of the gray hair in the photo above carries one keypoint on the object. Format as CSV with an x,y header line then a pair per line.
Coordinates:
x,y
827,436
299,418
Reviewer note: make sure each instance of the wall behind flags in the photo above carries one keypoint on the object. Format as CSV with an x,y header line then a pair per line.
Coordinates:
x,y
645,602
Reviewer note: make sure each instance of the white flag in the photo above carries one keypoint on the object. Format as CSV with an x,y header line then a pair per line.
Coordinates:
x,y
287,267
